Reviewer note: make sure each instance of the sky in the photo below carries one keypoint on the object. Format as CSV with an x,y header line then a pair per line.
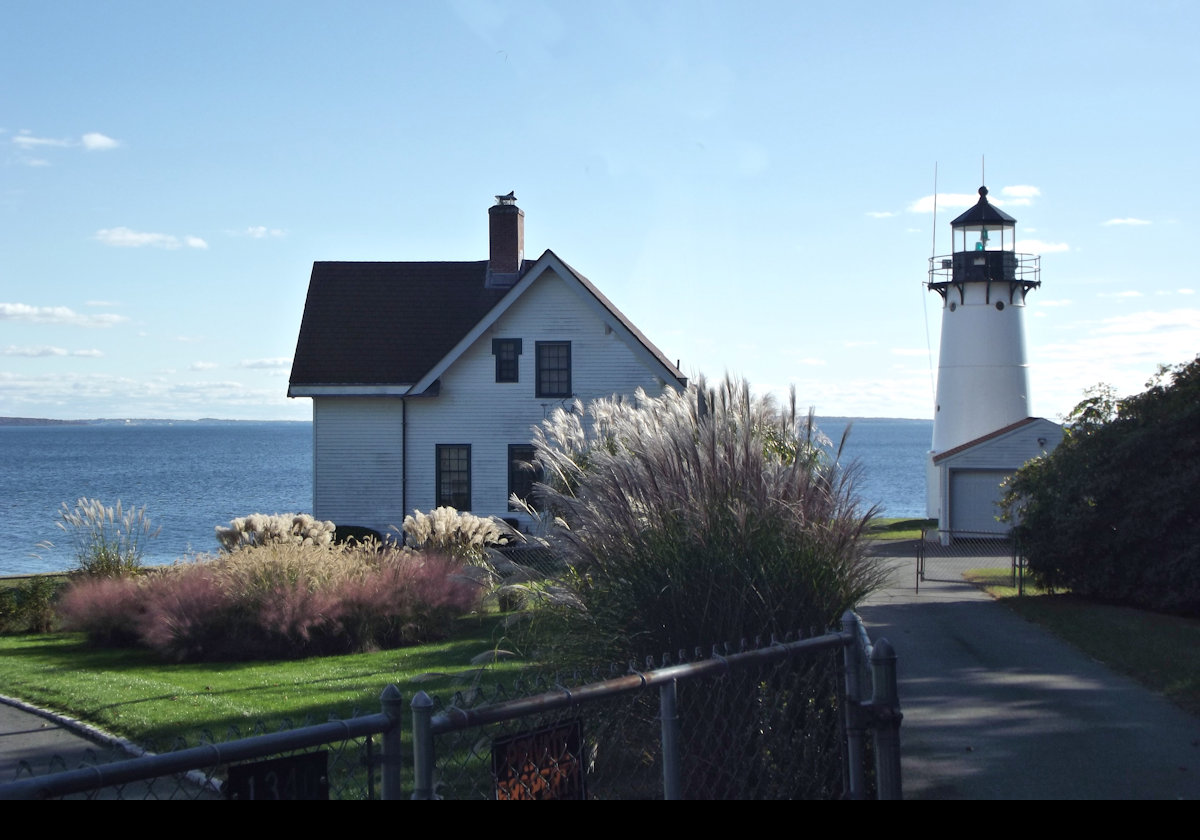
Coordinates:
x,y
752,183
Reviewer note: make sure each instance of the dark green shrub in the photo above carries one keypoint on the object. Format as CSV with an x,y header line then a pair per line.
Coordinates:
x,y
29,606
1111,514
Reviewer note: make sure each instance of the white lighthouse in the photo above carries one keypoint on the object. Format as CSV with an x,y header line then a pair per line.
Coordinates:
x,y
982,425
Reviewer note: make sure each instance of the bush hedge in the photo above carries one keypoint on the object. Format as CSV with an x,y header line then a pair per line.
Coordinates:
x,y
1111,513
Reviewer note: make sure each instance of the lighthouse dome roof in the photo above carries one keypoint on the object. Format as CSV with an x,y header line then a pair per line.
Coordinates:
x,y
983,213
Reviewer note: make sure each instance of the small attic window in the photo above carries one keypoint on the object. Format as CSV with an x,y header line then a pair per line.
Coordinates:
x,y
507,352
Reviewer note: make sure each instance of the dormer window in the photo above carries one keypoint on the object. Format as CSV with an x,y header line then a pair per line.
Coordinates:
x,y
508,353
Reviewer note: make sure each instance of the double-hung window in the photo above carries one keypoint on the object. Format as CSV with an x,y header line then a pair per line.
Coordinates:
x,y
522,472
508,354
454,476
554,369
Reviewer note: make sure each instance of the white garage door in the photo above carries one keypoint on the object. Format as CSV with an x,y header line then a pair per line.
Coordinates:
x,y
973,498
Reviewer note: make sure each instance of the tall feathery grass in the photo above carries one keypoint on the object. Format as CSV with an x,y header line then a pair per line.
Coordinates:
x,y
701,516
107,541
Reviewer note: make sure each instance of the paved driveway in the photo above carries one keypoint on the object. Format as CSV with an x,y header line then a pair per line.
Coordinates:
x,y
997,708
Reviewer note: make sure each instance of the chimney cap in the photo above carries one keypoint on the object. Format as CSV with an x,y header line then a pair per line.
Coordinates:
x,y
511,198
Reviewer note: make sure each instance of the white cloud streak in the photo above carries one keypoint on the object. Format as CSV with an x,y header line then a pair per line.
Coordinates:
x,y
1126,221
55,315
123,237
1037,246
880,214
26,140
1020,191
267,364
202,365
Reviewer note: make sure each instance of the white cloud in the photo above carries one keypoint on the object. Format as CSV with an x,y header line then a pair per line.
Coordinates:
x,y
55,315
1037,246
1020,191
35,162
202,365
1186,291
945,201
1014,196
880,214
123,237
1126,221
1063,302
908,351
33,352
267,364
87,354
95,141
1132,293
26,140
99,303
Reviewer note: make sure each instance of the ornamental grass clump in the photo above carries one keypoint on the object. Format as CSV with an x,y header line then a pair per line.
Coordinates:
x,y
694,520
108,542
702,516
262,529
278,601
463,536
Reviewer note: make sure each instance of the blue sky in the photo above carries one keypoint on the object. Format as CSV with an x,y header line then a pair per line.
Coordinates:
x,y
750,183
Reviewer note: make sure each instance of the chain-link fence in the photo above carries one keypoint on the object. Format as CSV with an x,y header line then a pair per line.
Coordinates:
x,y
978,556
247,765
785,720
767,722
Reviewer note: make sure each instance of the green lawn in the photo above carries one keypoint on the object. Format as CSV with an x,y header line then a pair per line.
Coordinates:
x,y
133,694
1160,651
898,529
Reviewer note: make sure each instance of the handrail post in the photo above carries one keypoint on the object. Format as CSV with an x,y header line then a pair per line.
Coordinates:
x,y
422,713
885,701
668,708
852,660
392,705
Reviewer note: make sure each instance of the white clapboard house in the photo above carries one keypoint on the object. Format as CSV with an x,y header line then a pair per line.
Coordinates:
x,y
427,378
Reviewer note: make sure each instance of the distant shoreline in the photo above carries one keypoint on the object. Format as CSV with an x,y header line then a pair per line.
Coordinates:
x,y
130,421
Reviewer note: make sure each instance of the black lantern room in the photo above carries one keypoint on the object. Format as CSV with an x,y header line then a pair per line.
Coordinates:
x,y
984,243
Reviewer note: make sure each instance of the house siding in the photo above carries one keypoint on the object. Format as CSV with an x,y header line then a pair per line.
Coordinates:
x,y
358,468
471,407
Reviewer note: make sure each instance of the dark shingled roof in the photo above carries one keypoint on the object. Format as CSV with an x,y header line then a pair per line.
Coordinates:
x,y
373,323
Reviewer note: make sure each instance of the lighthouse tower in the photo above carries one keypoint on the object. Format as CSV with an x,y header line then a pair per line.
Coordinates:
x,y
983,380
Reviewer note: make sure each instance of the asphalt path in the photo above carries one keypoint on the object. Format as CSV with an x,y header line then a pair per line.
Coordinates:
x,y
997,708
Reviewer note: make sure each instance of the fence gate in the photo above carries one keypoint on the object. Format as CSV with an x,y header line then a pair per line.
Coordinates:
x,y
978,556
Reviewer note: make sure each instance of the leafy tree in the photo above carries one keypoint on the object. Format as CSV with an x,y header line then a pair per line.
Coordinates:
x,y
1111,513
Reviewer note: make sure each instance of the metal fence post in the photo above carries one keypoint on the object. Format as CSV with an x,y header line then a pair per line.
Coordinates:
x,y
852,658
422,712
392,705
668,709
885,702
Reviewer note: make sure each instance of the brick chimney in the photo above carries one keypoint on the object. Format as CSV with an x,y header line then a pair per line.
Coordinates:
x,y
506,238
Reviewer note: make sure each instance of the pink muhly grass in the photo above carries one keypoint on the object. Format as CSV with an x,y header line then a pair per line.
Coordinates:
x,y
107,610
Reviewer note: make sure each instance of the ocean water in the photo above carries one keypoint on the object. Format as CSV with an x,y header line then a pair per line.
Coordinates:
x,y
192,477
